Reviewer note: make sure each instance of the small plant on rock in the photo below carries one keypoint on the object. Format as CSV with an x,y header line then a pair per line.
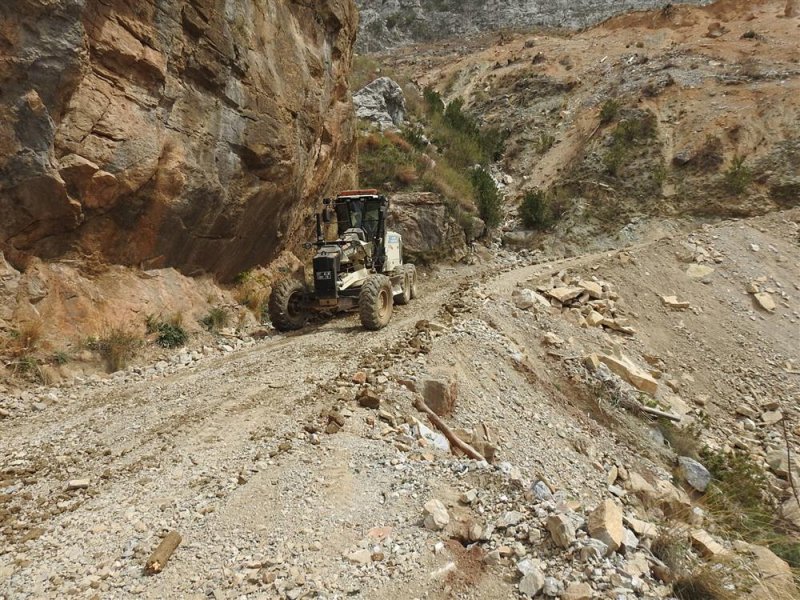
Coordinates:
x,y
738,177
216,319
544,142
171,333
609,111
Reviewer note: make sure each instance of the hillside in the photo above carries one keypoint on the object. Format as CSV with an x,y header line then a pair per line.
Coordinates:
x,y
395,23
683,112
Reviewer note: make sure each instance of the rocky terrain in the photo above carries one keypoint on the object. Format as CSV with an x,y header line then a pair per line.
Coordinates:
x,y
189,134
399,22
602,403
297,466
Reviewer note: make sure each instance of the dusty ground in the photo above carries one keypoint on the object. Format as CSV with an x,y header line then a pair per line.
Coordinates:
x,y
231,451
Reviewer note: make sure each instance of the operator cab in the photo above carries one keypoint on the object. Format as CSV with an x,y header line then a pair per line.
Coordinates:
x,y
360,215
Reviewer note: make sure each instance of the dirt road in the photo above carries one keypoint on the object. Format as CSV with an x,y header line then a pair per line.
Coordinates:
x,y
232,451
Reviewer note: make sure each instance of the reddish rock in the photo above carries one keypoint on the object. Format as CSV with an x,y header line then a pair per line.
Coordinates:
x,y
171,136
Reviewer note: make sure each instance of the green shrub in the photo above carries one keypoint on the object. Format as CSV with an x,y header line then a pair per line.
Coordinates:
x,y
487,197
433,101
544,142
614,159
738,177
216,319
609,111
170,334
535,210
61,357
626,136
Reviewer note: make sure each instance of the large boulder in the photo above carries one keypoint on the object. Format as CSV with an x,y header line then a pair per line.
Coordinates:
x,y
428,226
193,133
382,102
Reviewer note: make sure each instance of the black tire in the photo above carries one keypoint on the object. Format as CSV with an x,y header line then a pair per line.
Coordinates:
x,y
404,297
287,305
375,302
412,275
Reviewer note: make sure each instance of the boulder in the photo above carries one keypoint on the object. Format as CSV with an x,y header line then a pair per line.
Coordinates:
x,y
634,375
707,546
436,515
693,473
605,524
440,395
428,228
381,102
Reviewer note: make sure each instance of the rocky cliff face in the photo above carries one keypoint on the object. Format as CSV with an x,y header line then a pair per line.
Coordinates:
x,y
192,133
386,23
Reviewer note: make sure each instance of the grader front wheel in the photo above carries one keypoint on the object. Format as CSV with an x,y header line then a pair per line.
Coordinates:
x,y
375,302
288,308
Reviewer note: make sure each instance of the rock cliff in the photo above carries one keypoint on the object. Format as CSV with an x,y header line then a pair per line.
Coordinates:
x,y
192,134
387,23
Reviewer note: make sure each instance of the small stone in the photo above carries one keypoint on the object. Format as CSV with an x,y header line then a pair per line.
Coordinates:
x,y
627,370
531,584
565,294
674,303
436,515
695,474
440,395
78,484
578,591
369,399
561,529
510,518
594,289
361,557
541,490
360,378
697,271
551,339
772,417
552,587
765,301
469,497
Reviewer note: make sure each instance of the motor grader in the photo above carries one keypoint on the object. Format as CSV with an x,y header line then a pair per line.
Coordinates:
x,y
361,269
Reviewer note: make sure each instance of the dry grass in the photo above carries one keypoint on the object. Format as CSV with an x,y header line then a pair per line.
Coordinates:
x,y
704,583
117,347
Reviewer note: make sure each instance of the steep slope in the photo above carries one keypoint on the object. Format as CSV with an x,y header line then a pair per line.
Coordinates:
x,y
679,112
396,22
190,134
